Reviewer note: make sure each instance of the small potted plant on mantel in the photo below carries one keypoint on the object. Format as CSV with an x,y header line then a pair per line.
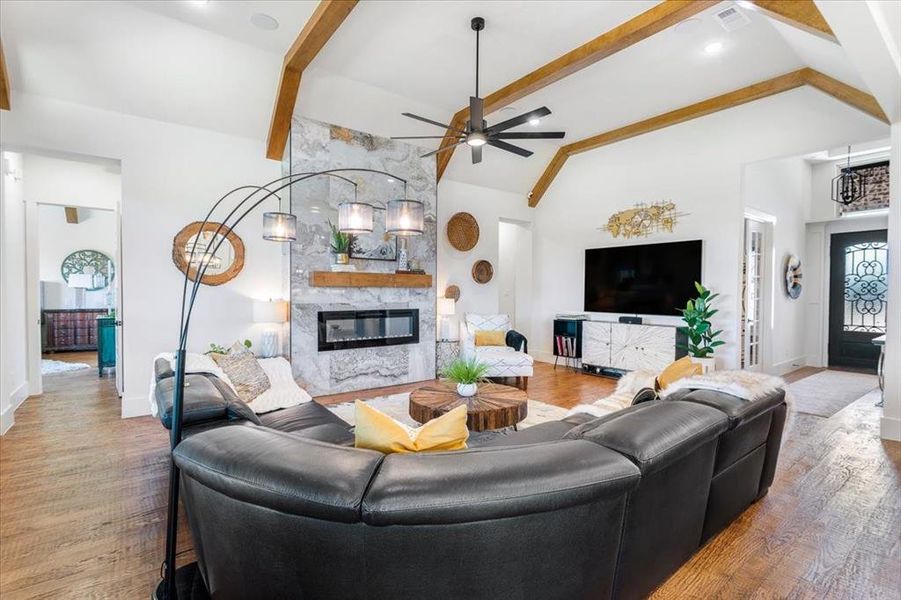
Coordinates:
x,y
701,336
466,374
340,244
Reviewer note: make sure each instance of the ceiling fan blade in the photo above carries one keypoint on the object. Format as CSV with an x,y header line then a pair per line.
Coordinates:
x,y
476,118
521,119
441,149
431,122
476,155
417,137
509,147
529,135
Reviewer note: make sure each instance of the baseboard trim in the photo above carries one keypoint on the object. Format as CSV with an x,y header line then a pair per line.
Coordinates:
x,y
890,429
136,406
7,420
545,357
787,366
8,417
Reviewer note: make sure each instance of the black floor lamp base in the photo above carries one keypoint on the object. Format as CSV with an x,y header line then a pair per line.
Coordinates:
x,y
188,584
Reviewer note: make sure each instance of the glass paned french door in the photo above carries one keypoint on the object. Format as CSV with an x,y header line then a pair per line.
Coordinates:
x,y
858,285
752,295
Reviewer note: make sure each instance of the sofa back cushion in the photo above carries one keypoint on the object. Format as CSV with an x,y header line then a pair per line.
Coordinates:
x,y
654,434
493,483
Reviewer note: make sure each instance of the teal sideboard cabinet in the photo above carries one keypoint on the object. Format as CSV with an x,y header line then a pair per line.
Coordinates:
x,y
106,343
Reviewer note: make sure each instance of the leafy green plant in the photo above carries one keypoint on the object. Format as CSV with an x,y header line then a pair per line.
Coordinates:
x,y
465,371
696,314
340,242
217,349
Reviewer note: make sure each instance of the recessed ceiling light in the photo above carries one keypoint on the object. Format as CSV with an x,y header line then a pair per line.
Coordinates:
x,y
264,21
534,122
713,47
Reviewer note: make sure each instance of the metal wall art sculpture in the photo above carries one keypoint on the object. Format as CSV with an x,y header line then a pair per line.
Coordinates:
x,y
643,220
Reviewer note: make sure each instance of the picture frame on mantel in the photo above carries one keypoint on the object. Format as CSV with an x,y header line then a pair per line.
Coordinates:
x,y
377,245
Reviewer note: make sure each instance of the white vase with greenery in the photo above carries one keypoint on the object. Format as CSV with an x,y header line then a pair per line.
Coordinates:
x,y
467,374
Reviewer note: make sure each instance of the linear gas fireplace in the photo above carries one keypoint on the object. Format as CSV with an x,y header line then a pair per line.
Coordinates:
x,y
344,329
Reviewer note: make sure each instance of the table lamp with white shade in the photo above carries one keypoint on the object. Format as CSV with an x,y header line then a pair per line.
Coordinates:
x,y
270,312
446,309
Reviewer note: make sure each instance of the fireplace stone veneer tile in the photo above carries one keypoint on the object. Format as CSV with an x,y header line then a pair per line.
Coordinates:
x,y
316,146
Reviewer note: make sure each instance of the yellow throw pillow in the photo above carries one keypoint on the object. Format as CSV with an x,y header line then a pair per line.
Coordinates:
x,y
377,431
677,370
491,338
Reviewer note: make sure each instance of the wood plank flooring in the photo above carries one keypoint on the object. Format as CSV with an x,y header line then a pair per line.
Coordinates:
x,y
83,492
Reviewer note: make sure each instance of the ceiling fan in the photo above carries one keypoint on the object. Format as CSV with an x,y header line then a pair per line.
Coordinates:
x,y
477,133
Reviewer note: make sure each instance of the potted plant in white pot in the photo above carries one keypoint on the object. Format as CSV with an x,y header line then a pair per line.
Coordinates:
x,y
702,338
466,374
340,244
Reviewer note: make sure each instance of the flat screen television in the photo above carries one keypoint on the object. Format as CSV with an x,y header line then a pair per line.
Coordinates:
x,y
650,279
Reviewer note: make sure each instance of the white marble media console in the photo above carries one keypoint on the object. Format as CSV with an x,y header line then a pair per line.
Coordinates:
x,y
628,347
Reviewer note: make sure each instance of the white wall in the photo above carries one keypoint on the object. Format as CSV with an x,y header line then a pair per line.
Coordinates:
x,y
489,207
891,413
13,369
57,239
698,165
781,189
171,174
71,182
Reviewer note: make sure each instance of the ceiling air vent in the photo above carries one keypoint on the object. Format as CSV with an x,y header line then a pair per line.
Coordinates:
x,y
731,18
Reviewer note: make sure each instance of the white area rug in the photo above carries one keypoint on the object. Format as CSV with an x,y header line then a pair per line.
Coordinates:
x,y
396,406
51,367
827,392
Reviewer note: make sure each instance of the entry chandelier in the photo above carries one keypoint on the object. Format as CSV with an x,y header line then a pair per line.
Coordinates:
x,y
849,185
404,217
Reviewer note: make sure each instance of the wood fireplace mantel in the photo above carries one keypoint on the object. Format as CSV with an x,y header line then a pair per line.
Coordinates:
x,y
361,279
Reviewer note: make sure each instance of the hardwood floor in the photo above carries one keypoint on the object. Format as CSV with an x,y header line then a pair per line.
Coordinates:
x,y
83,492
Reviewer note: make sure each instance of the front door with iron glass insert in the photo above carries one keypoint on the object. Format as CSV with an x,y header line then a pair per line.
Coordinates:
x,y
858,285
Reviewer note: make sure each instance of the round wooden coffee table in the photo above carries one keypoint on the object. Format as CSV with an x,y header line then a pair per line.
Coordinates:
x,y
494,406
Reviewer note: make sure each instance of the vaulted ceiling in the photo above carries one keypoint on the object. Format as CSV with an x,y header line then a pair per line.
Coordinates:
x,y
204,64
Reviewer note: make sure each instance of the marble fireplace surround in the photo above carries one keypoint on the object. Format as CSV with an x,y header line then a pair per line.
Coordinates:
x,y
316,146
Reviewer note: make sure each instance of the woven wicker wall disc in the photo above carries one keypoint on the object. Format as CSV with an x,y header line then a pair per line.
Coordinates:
x,y
482,271
463,231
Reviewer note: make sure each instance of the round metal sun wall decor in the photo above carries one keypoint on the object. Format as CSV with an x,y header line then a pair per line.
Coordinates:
x,y
89,262
793,276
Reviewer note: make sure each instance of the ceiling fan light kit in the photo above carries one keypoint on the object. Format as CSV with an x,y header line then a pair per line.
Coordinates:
x,y
477,133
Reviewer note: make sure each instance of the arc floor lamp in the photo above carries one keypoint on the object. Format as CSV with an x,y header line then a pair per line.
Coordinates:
x,y
404,217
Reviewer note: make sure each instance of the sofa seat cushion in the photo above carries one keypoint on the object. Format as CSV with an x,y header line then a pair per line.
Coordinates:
x,y
300,417
502,356
332,433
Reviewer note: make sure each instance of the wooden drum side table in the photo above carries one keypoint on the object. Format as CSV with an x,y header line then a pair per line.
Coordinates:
x,y
494,406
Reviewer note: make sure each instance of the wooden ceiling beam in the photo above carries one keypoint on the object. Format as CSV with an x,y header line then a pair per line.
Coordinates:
x,y
802,14
4,81
654,20
323,23
783,83
842,91
71,215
